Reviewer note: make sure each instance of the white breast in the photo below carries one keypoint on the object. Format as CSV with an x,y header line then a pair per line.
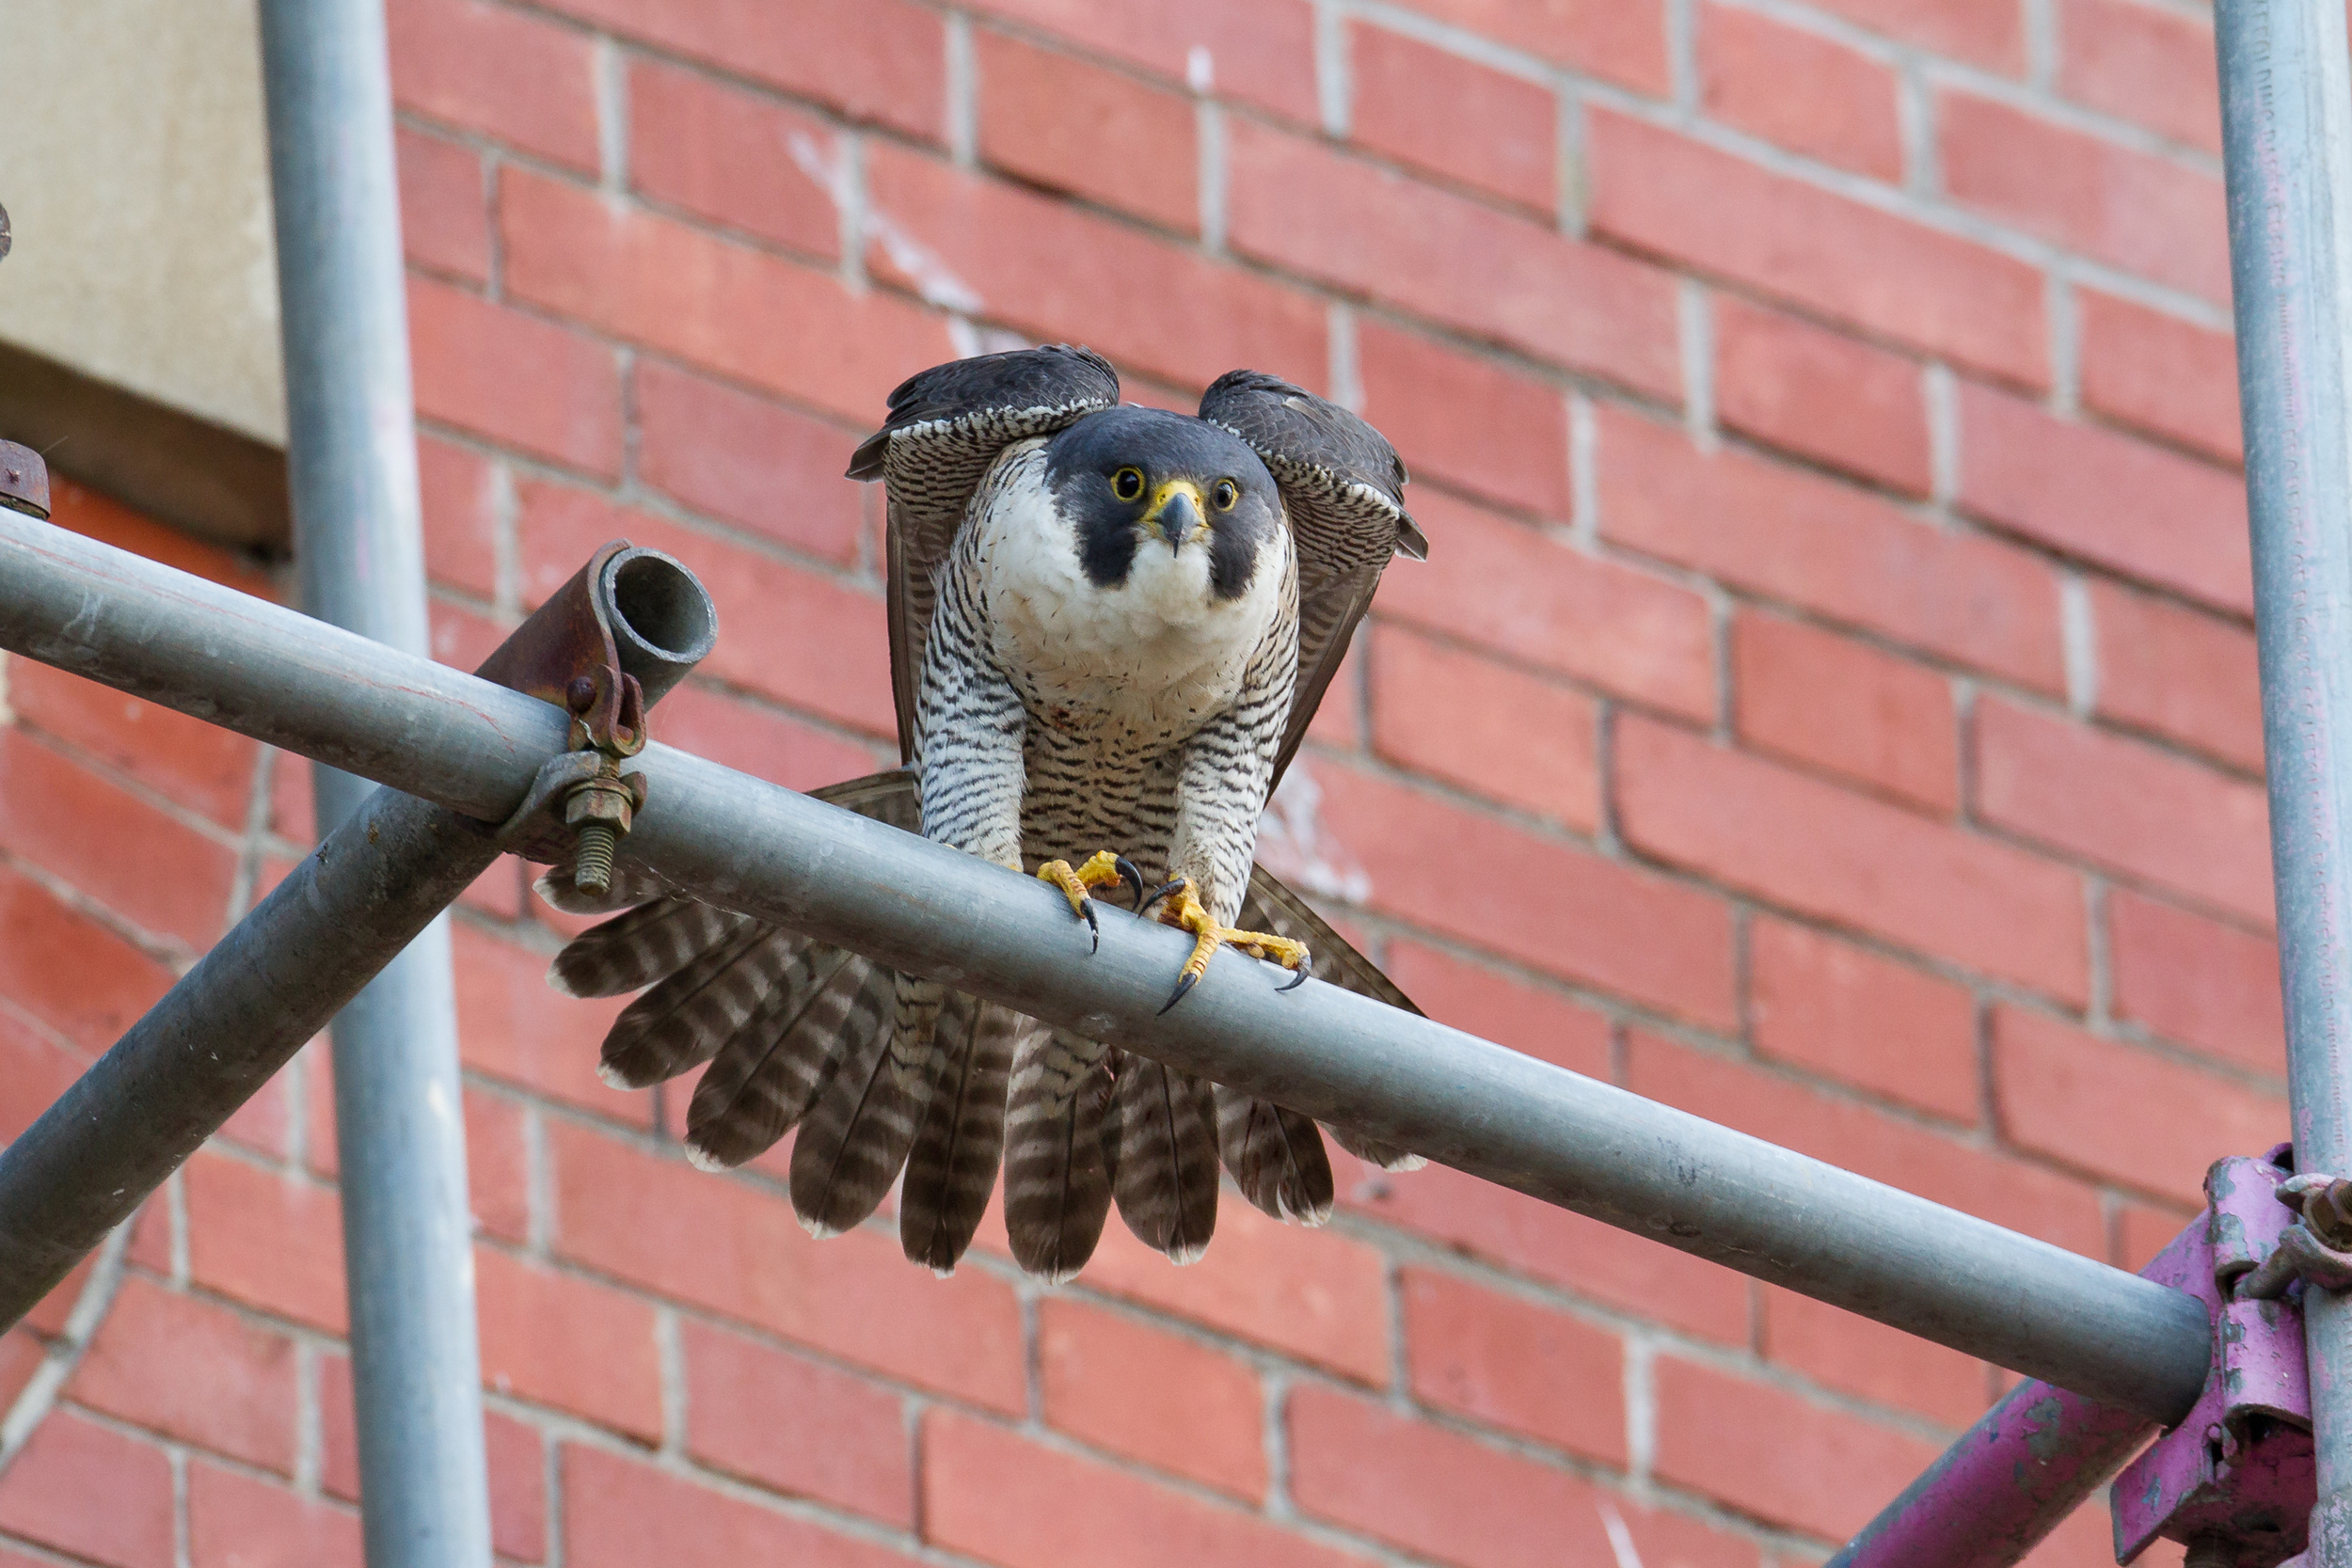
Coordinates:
x,y
1155,657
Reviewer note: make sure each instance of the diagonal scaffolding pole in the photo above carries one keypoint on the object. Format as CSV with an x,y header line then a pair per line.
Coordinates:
x,y
782,857
2287,119
351,467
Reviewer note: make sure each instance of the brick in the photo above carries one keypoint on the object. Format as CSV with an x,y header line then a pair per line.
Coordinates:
x,y
444,205
2124,805
1442,1496
2142,1230
21,1355
81,510
1849,556
1623,40
235,1521
1984,32
1843,856
1800,91
1822,395
2194,980
754,741
189,1370
790,633
1060,122
199,766
512,1027
622,1514
754,317
2122,1112
1775,1455
1368,230
513,378
1502,586
84,1489
272,1241
1310,1294
1000,1497
1151,1396
2187,677
1468,420
1843,706
882,60
990,248
733,157
846,1443
38,1069
1830,1007
1259,51
512,76
2113,500
747,461
156,873
1511,1364
1870,1360
1485,726
463,640
1663,193
459,491
1511,1012
738,1251
1934,1163
555,1339
1453,118
1557,908
498,1166
2134,211
2163,375
70,972
1541,1241
2144,63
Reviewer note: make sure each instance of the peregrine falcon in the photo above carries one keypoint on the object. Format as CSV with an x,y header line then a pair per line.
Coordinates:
x,y
1109,626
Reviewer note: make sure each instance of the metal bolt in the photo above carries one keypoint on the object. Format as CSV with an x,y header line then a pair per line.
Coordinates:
x,y
600,809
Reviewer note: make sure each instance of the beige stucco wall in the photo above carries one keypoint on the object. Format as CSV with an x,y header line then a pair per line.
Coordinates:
x,y
134,165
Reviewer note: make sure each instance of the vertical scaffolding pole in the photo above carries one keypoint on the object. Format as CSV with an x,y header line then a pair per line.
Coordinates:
x,y
2287,109
352,469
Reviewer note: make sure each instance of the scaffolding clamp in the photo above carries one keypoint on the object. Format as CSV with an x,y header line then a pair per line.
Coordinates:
x,y
566,654
23,477
2234,1480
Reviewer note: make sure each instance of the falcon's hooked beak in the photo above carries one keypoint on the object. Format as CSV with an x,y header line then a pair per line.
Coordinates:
x,y
1178,515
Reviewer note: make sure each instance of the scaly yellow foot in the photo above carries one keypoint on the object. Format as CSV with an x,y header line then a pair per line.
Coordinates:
x,y
1185,910
1105,867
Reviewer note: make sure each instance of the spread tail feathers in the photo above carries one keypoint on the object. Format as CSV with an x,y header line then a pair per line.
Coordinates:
x,y
763,1081
1057,1169
862,1122
1276,1156
952,1168
1167,1162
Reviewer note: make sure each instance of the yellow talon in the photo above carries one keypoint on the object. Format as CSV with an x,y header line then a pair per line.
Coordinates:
x,y
1184,910
1103,869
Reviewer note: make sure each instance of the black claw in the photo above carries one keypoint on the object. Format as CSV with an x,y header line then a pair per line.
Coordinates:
x,y
1175,884
1134,879
1306,967
1183,984
1093,925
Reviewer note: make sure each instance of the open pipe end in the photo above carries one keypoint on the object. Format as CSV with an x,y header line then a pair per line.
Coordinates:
x,y
663,620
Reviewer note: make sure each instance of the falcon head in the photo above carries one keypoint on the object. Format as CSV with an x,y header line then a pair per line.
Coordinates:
x,y
1151,493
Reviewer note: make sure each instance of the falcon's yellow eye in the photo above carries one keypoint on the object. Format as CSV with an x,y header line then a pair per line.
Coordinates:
x,y
1225,495
1127,485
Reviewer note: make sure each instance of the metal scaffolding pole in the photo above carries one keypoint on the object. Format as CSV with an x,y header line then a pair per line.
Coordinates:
x,y
2286,113
782,857
359,543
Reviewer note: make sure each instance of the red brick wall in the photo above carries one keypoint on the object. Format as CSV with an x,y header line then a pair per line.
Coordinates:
x,y
1829,707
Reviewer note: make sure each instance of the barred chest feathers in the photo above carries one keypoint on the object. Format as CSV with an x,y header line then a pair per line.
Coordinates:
x,y
1155,655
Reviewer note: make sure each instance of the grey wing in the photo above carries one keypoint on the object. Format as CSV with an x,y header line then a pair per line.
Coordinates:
x,y
946,426
1344,486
